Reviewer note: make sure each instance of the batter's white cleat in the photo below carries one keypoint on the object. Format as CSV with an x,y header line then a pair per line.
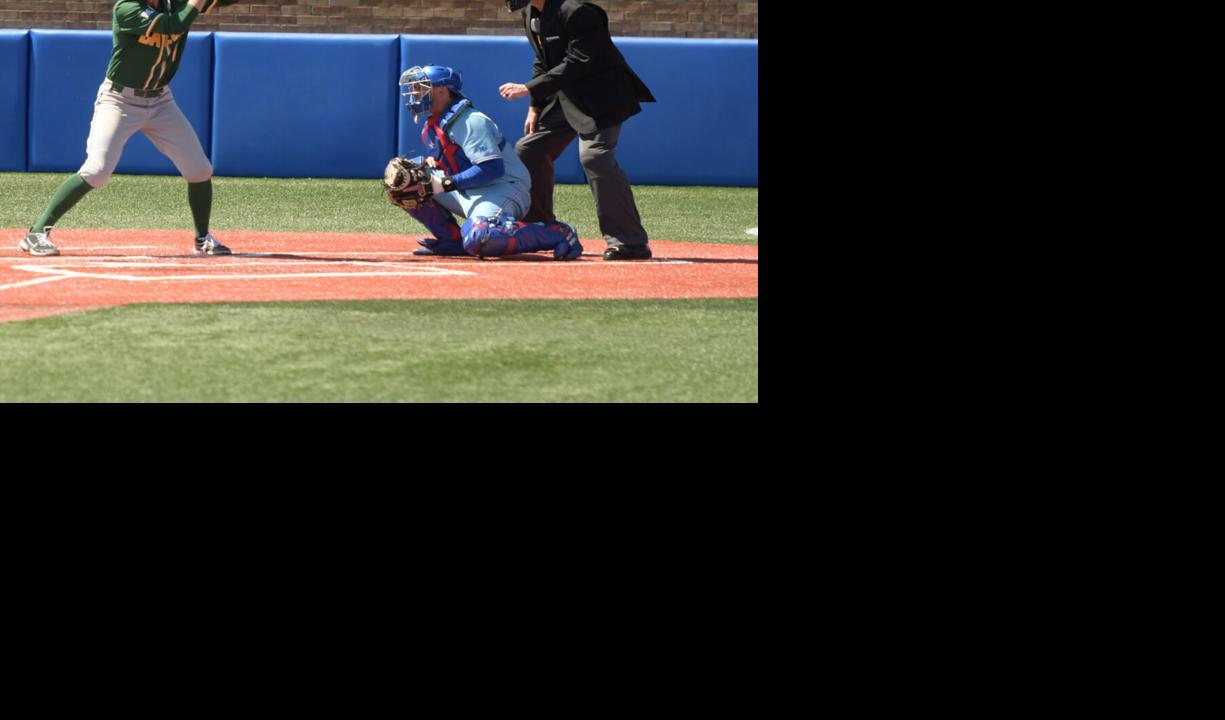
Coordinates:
x,y
39,243
208,245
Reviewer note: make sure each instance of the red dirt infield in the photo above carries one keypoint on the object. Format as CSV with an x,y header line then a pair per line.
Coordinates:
x,y
101,268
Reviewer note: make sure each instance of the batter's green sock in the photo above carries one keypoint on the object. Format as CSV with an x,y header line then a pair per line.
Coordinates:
x,y
200,197
66,195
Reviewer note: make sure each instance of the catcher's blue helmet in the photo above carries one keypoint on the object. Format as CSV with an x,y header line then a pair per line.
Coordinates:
x,y
417,82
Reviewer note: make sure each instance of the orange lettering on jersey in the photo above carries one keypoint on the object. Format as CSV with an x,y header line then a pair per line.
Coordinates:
x,y
159,41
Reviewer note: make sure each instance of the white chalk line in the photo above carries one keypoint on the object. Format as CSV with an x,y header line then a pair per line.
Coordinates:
x,y
59,269
425,265
109,248
36,281
303,253
61,273
126,262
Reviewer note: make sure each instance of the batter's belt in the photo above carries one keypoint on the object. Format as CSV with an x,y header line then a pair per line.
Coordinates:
x,y
137,92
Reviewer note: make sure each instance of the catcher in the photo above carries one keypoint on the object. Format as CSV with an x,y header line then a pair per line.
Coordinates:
x,y
470,171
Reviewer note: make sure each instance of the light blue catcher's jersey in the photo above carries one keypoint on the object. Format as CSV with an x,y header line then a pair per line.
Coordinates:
x,y
481,140
472,137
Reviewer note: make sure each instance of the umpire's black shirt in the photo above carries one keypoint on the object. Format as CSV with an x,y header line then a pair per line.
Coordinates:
x,y
578,68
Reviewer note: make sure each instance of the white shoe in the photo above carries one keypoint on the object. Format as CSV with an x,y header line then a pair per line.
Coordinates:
x,y
39,243
208,245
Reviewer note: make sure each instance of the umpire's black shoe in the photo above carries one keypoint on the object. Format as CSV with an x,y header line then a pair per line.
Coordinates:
x,y
628,252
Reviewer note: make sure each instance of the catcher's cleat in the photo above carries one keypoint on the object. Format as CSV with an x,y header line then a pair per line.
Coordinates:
x,y
208,245
571,249
39,243
628,252
440,247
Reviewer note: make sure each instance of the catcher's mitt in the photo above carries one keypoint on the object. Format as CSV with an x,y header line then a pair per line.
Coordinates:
x,y
406,184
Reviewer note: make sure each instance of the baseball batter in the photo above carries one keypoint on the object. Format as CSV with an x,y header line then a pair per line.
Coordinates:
x,y
472,172
148,43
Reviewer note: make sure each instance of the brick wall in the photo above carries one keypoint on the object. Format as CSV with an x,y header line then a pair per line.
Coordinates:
x,y
634,18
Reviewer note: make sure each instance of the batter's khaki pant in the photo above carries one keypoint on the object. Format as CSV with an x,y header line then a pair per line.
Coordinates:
x,y
120,115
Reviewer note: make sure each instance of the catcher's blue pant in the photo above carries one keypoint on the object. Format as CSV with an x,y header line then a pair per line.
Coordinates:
x,y
491,228
504,235
508,198
441,224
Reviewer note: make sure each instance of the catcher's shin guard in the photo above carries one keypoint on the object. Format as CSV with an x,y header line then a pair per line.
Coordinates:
x,y
504,235
447,240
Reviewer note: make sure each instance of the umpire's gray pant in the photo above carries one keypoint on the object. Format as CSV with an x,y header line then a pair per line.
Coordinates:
x,y
614,198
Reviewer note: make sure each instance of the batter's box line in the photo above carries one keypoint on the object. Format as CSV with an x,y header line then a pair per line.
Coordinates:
x,y
541,261
136,262
549,263
35,281
423,266
108,248
62,274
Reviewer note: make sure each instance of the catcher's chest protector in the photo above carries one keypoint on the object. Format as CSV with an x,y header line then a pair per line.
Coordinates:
x,y
434,135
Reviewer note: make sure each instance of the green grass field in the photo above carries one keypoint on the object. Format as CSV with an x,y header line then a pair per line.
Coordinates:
x,y
689,214
387,351
430,351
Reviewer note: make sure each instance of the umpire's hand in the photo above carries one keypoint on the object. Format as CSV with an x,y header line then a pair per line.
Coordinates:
x,y
513,91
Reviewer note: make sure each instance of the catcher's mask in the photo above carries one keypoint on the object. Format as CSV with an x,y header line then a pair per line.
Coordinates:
x,y
513,5
417,82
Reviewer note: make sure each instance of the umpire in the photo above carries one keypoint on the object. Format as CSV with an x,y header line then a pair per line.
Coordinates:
x,y
581,85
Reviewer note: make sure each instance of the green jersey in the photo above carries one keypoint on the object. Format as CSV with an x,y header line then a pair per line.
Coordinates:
x,y
148,43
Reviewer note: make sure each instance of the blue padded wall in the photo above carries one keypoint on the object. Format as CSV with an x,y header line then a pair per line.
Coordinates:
x,y
67,66
14,57
702,129
486,63
304,105
319,105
